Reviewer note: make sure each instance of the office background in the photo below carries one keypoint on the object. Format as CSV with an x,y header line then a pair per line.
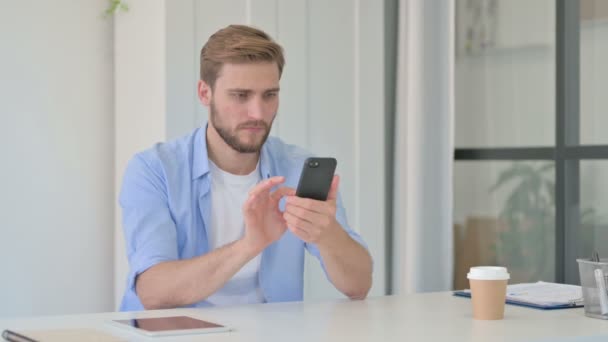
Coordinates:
x,y
390,88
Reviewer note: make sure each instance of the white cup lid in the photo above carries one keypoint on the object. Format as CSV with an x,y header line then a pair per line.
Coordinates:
x,y
488,273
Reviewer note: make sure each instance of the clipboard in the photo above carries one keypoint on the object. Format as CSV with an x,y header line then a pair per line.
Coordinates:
x,y
540,295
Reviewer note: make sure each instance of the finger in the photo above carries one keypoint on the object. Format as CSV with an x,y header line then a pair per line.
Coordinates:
x,y
297,222
304,214
250,203
333,190
247,209
303,235
283,191
309,204
304,230
266,185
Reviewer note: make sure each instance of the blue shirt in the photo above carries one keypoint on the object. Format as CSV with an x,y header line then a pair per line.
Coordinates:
x,y
166,208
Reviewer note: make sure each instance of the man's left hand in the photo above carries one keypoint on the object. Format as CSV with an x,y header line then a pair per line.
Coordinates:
x,y
311,220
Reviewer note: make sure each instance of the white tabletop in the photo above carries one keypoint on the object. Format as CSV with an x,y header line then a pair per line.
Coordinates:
x,y
424,317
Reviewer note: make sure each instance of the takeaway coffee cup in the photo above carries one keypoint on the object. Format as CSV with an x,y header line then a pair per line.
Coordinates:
x,y
488,291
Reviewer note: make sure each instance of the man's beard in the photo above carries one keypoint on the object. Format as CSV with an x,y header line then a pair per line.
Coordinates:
x,y
231,138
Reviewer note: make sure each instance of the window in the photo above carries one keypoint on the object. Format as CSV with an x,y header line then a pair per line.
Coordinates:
x,y
530,136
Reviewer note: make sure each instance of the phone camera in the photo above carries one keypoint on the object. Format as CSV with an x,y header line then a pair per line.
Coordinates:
x,y
313,164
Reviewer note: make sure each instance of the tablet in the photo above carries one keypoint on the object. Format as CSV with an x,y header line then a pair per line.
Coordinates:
x,y
166,326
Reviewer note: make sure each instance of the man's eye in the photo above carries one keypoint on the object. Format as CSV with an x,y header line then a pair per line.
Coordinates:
x,y
240,96
271,95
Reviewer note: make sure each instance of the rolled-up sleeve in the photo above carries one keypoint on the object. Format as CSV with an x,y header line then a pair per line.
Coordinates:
x,y
150,232
341,218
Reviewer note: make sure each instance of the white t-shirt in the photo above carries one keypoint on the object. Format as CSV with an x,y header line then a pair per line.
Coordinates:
x,y
228,193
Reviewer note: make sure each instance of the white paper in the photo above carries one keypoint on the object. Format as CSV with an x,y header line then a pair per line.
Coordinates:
x,y
544,293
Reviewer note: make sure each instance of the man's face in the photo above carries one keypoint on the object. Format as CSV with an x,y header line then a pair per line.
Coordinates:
x,y
243,104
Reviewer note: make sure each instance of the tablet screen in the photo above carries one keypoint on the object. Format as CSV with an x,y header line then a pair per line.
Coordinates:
x,y
168,323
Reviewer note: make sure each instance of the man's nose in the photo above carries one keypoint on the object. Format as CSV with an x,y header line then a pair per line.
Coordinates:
x,y
256,109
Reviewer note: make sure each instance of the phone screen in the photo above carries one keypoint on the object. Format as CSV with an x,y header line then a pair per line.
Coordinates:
x,y
168,323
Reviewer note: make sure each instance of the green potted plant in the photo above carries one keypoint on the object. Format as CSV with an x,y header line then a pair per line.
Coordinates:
x,y
114,6
527,244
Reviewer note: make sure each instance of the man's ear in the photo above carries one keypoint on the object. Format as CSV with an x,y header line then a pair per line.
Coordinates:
x,y
204,93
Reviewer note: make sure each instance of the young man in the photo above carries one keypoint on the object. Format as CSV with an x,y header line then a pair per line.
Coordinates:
x,y
212,218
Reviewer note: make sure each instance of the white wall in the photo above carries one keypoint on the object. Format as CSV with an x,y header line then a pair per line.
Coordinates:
x,y
140,102
332,94
56,134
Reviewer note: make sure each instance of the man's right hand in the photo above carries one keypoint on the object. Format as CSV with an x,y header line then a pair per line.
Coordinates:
x,y
264,222
183,282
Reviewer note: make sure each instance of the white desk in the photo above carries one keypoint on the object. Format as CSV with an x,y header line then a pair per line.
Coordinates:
x,y
423,317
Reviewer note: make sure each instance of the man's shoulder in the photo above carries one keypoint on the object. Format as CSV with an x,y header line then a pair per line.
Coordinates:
x,y
171,154
286,155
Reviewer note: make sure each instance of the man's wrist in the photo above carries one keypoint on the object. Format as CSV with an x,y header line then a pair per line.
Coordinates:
x,y
247,248
333,239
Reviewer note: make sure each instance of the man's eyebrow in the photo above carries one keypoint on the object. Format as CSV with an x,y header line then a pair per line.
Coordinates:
x,y
239,90
243,90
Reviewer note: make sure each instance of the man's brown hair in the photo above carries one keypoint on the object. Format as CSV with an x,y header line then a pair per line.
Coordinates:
x,y
238,44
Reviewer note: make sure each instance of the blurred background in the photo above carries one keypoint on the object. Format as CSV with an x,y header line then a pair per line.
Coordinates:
x,y
467,132
530,177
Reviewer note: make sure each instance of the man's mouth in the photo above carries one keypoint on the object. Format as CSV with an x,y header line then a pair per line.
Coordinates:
x,y
253,128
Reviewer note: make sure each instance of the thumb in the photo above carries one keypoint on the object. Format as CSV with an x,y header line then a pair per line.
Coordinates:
x,y
333,190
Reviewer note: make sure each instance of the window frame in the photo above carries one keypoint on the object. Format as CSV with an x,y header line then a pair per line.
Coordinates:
x,y
567,153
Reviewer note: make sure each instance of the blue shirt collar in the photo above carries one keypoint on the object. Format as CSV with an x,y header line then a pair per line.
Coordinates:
x,y
265,166
200,158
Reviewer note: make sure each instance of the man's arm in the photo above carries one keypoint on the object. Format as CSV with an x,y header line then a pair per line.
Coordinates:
x,y
182,282
348,264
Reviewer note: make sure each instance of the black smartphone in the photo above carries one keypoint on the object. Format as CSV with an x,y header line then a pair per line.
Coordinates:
x,y
316,177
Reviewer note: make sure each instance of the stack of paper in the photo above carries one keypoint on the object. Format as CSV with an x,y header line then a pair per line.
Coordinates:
x,y
541,295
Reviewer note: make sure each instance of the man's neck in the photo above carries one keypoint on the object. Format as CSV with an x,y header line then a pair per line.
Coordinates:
x,y
226,158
